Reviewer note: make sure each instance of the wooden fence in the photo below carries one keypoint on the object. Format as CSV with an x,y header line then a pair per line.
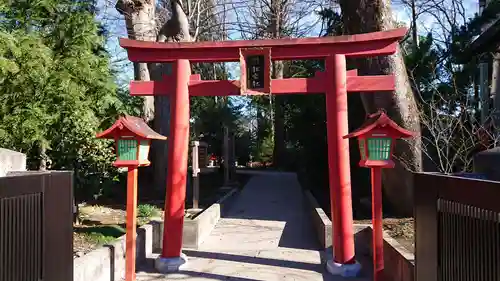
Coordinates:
x,y
36,230
457,224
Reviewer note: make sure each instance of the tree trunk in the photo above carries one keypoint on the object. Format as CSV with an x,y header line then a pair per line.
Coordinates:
x,y
141,25
42,165
277,13
161,124
495,90
279,122
361,16
414,31
139,21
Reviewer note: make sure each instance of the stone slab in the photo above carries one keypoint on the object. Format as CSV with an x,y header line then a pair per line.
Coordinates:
x,y
11,161
321,223
487,162
399,262
197,229
108,262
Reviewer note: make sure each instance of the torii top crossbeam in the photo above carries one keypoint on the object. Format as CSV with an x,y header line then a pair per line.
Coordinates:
x,y
359,45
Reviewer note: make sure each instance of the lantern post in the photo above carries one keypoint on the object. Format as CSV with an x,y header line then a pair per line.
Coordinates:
x,y
196,171
132,138
376,139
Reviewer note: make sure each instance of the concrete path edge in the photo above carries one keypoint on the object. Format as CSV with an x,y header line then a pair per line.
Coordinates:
x,y
400,262
108,262
197,229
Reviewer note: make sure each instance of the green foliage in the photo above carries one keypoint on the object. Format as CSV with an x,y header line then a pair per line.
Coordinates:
x,y
476,24
99,239
244,146
210,118
211,114
441,82
101,234
262,135
57,90
439,75
147,211
332,21
265,149
305,123
422,64
447,86
25,66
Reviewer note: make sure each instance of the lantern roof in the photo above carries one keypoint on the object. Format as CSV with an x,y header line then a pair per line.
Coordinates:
x,y
380,120
130,124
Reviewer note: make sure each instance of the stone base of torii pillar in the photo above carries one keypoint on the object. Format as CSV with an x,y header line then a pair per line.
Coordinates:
x,y
168,265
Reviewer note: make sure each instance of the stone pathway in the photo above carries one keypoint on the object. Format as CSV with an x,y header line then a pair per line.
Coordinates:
x,y
266,236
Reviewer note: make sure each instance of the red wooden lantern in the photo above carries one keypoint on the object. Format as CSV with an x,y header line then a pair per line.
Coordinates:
x,y
255,66
132,141
376,139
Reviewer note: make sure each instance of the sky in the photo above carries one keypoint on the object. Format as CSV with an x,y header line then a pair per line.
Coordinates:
x,y
116,26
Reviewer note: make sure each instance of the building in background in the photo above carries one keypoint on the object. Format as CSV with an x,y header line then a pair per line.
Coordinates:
x,y
486,43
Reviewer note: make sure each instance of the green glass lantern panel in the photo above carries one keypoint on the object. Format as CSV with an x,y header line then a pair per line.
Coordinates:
x,y
379,148
362,148
143,150
127,149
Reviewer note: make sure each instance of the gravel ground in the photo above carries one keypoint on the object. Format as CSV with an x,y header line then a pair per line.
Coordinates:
x,y
94,217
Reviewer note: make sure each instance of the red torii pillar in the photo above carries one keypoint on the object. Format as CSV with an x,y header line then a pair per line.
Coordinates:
x,y
178,151
339,167
335,82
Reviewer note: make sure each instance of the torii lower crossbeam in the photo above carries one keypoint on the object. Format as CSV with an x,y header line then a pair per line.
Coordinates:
x,y
315,85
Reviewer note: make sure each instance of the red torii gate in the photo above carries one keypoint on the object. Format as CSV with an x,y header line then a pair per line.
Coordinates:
x,y
335,82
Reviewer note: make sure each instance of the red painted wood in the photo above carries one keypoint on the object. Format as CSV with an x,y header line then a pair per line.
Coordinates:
x,y
378,232
352,72
380,123
321,74
177,162
371,83
314,85
130,126
359,45
244,53
130,247
131,163
385,164
195,77
376,48
339,174
394,34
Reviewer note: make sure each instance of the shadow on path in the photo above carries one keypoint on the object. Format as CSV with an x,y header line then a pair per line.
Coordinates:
x,y
277,197
256,260
189,274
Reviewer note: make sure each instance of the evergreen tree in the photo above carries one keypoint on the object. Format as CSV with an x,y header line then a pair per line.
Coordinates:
x,y
57,90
